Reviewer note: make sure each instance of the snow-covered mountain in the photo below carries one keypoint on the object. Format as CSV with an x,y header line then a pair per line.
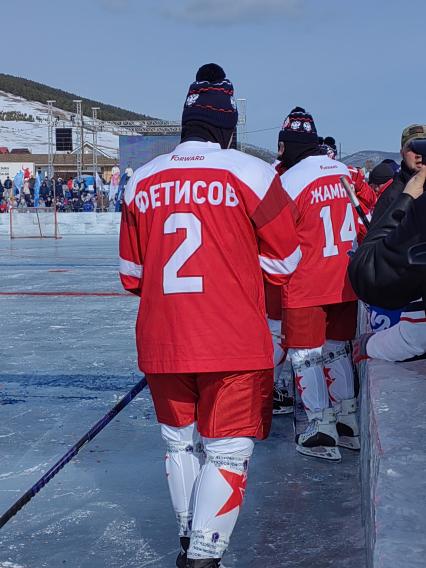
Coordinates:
x,y
33,134
376,156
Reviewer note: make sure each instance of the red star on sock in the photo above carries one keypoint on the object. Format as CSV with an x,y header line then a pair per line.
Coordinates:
x,y
298,381
238,483
329,380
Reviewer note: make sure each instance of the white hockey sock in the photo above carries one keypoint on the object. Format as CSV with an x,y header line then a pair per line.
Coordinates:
x,y
218,495
279,354
338,371
309,379
184,457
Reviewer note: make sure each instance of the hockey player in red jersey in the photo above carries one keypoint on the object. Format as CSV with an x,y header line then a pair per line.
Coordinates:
x,y
366,195
198,227
319,315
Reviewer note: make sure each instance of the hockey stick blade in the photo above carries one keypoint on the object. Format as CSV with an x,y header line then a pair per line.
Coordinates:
x,y
94,431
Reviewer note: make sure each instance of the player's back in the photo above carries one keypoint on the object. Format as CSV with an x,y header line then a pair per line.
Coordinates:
x,y
202,302
326,229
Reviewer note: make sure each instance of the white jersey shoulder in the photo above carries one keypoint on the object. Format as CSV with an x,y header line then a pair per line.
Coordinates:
x,y
140,174
305,172
253,172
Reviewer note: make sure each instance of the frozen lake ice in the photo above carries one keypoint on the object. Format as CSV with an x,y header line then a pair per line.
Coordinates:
x,y
67,354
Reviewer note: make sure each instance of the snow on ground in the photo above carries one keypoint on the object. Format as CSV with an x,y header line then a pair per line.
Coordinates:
x,y
33,135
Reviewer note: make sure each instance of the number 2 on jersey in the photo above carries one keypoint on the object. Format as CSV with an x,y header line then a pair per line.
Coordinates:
x,y
172,283
347,231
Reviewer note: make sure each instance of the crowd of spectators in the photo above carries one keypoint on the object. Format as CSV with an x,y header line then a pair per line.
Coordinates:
x,y
384,270
69,195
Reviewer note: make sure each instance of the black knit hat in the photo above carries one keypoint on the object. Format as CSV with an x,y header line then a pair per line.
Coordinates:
x,y
328,146
381,174
299,126
211,98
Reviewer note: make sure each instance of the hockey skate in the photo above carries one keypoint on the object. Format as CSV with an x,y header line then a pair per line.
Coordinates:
x,y
282,403
181,560
320,438
347,425
205,563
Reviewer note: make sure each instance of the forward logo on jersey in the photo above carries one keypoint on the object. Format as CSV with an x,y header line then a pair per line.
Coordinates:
x,y
238,484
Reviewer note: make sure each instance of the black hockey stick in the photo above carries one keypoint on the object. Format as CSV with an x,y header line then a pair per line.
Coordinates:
x,y
354,200
100,425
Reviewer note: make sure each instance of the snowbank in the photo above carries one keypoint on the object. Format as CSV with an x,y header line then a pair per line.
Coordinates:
x,y
25,224
393,463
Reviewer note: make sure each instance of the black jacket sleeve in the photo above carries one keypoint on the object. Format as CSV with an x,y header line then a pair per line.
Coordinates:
x,y
379,270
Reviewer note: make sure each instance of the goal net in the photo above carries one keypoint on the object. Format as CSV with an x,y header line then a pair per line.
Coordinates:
x,y
34,222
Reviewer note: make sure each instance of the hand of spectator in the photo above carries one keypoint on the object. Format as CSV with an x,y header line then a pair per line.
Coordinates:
x,y
359,346
415,186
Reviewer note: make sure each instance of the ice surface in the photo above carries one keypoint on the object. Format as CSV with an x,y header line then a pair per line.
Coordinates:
x,y
65,361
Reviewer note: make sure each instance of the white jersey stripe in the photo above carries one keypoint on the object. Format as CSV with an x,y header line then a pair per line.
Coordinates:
x,y
128,268
285,266
253,172
309,170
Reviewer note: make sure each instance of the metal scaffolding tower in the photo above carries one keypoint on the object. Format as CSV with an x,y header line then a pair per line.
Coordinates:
x,y
50,139
153,127
241,125
95,140
79,138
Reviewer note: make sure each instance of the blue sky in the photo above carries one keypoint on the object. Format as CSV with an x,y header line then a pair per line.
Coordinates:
x,y
357,66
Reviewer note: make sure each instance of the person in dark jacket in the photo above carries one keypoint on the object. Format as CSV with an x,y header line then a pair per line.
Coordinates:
x,y
410,165
44,190
379,270
8,183
381,177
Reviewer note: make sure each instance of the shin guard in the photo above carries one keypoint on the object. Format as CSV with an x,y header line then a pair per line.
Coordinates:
x,y
338,371
309,379
184,457
218,495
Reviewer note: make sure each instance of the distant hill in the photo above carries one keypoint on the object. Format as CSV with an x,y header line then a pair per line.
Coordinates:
x,y
262,153
33,91
357,159
376,156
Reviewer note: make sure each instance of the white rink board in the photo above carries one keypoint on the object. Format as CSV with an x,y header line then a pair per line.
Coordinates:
x,y
69,223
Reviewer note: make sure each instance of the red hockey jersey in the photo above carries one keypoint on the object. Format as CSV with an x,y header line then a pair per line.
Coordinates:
x,y
326,229
367,199
366,195
197,227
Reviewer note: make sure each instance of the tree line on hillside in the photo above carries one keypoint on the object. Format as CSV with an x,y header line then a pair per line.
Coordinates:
x,y
33,91
16,115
